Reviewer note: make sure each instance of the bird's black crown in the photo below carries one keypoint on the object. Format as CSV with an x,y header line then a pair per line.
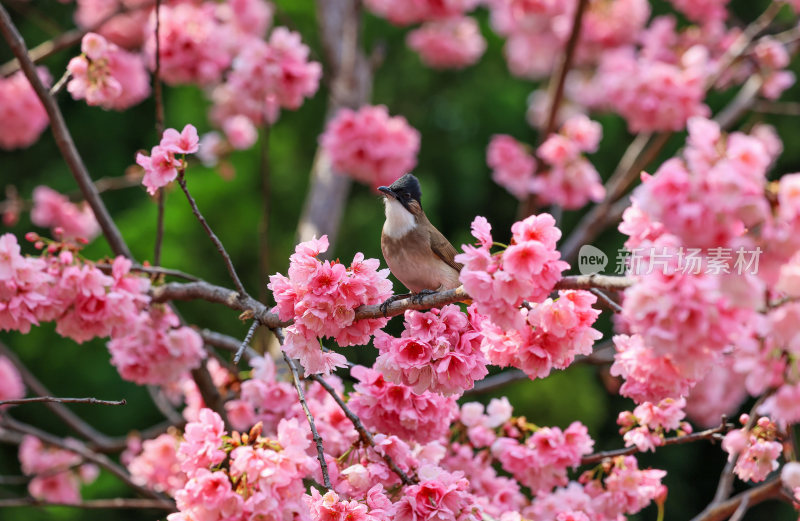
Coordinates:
x,y
408,184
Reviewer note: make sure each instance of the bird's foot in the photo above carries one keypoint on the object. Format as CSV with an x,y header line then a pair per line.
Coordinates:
x,y
417,298
385,306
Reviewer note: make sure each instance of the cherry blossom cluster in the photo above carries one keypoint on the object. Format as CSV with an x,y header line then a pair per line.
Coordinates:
x,y
755,449
513,165
157,349
645,427
125,29
555,332
107,76
395,409
772,58
702,11
55,211
146,345
733,167
161,166
23,115
541,461
155,464
481,425
11,384
238,477
369,145
419,10
322,297
451,43
439,351
527,270
57,474
265,77
571,180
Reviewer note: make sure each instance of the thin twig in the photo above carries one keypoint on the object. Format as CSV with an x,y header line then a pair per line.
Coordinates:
x,y
91,504
81,450
226,342
55,399
676,440
323,465
366,436
606,300
246,341
55,89
62,136
212,235
66,415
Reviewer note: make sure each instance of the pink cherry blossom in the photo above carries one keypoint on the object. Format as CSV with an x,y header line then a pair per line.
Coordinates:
x,y
438,351
124,29
54,210
370,145
157,466
443,495
161,166
450,43
156,350
23,115
321,298
395,409
11,385
419,10
107,76
512,166
57,473
756,451
185,142
195,46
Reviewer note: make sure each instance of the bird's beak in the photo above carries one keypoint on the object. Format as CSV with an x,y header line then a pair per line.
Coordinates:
x,y
388,191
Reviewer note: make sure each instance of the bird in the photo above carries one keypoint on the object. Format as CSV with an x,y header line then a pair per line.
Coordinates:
x,y
417,254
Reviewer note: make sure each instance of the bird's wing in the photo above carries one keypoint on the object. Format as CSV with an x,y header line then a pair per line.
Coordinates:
x,y
442,247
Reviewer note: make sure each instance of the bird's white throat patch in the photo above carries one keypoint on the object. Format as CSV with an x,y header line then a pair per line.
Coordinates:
x,y
399,221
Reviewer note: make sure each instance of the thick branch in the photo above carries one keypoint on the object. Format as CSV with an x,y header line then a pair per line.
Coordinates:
x,y
366,436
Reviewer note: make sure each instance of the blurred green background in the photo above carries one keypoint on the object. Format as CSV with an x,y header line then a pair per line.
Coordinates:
x,y
456,113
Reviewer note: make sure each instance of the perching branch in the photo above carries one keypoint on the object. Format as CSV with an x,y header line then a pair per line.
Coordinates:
x,y
366,436
708,434
54,399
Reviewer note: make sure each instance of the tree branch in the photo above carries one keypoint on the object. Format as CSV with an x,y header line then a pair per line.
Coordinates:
x,y
708,434
63,138
220,248
81,450
54,399
366,436
323,465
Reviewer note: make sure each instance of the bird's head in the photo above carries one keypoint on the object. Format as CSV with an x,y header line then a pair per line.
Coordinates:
x,y
405,191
